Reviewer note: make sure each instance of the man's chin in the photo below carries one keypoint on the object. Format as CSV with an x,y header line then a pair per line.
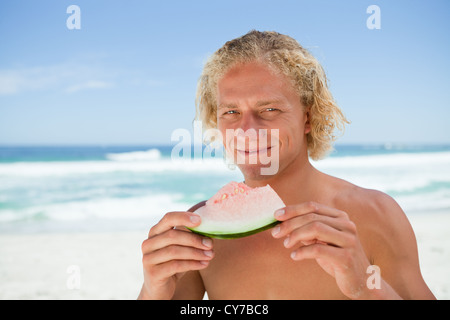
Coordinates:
x,y
258,171
258,165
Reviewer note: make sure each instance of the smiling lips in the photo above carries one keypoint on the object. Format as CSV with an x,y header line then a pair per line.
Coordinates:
x,y
260,153
253,152
252,145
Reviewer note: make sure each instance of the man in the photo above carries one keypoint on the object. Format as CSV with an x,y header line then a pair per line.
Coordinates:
x,y
333,235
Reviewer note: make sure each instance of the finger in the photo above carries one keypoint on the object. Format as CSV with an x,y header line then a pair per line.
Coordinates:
x,y
170,268
289,212
317,231
173,219
310,242
176,237
286,227
176,252
317,251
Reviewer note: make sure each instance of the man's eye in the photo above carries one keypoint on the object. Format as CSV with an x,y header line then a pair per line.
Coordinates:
x,y
271,109
231,112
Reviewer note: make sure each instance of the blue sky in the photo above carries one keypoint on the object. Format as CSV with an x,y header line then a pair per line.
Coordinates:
x,y
128,76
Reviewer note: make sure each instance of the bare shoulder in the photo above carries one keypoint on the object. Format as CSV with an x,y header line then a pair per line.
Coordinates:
x,y
387,237
369,205
382,224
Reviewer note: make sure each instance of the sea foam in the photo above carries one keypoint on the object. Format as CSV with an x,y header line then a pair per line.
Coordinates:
x,y
149,155
132,188
60,168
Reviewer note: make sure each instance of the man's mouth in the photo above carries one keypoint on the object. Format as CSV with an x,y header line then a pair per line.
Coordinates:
x,y
250,152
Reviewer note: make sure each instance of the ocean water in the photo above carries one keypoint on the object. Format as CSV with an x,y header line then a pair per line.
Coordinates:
x,y
90,188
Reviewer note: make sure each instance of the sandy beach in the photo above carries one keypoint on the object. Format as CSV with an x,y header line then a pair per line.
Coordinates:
x,y
433,239
41,266
107,265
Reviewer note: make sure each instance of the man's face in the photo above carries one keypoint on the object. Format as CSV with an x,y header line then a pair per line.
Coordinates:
x,y
251,97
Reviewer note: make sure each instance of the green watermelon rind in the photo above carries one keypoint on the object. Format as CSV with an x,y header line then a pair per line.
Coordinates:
x,y
221,235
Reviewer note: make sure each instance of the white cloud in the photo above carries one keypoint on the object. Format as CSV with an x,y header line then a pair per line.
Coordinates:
x,y
9,84
71,78
64,77
90,84
15,81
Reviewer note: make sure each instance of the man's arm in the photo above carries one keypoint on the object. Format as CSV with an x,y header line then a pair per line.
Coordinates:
x,y
170,253
190,286
395,250
372,231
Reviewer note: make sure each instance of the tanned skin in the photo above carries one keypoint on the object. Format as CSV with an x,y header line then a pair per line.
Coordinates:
x,y
331,231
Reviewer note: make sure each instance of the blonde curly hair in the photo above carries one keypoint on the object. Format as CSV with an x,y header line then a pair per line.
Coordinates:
x,y
286,55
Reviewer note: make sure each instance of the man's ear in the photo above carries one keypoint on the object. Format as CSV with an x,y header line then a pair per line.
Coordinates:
x,y
307,122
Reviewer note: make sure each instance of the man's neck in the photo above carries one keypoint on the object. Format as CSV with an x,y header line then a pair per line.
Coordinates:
x,y
294,184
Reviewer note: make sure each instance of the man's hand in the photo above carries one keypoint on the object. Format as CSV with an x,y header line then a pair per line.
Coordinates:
x,y
315,231
170,252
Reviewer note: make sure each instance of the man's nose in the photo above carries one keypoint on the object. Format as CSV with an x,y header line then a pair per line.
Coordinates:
x,y
248,121
248,131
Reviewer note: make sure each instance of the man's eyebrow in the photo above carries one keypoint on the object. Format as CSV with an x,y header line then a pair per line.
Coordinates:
x,y
261,103
228,106
268,102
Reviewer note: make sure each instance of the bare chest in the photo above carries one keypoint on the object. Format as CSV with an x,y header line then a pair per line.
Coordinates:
x,y
260,267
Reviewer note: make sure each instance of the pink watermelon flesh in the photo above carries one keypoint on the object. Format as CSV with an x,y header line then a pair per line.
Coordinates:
x,y
238,210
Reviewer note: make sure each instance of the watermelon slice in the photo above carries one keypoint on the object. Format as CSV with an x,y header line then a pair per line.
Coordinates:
x,y
238,210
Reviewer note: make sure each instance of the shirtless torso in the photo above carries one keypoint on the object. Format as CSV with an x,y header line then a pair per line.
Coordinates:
x,y
331,231
260,267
